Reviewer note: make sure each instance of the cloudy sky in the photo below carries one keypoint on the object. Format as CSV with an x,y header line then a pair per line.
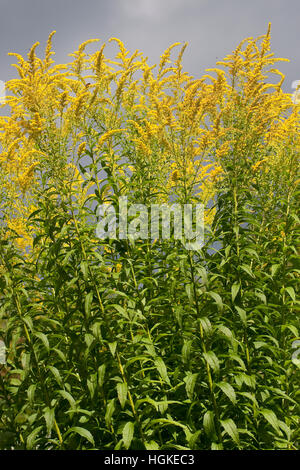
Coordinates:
x,y
213,28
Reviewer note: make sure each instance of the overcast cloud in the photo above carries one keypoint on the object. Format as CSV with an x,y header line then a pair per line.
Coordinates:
x,y
213,28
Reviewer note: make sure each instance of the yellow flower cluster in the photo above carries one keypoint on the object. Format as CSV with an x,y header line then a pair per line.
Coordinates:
x,y
158,131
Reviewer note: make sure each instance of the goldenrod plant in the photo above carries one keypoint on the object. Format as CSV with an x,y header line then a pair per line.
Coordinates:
x,y
140,343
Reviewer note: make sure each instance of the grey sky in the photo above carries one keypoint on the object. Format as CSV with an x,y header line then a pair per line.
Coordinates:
x,y
213,28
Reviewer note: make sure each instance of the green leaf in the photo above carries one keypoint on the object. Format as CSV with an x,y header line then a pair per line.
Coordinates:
x,y
44,340
82,432
189,291
292,328
122,393
21,418
226,332
217,299
127,434
208,424
201,271
228,390
56,375
112,347
252,252
166,422
274,269
146,400
68,397
247,269
190,381
101,374
161,367
251,397
152,445
261,296
212,360
291,292
89,339
231,429
60,354
163,405
270,416
186,351
206,325
285,428
235,290
28,321
84,269
216,446
88,303
247,379
193,438
109,411
92,384
242,314
31,392
121,310
32,438
49,418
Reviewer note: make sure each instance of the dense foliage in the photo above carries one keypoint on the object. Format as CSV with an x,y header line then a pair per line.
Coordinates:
x,y
115,344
